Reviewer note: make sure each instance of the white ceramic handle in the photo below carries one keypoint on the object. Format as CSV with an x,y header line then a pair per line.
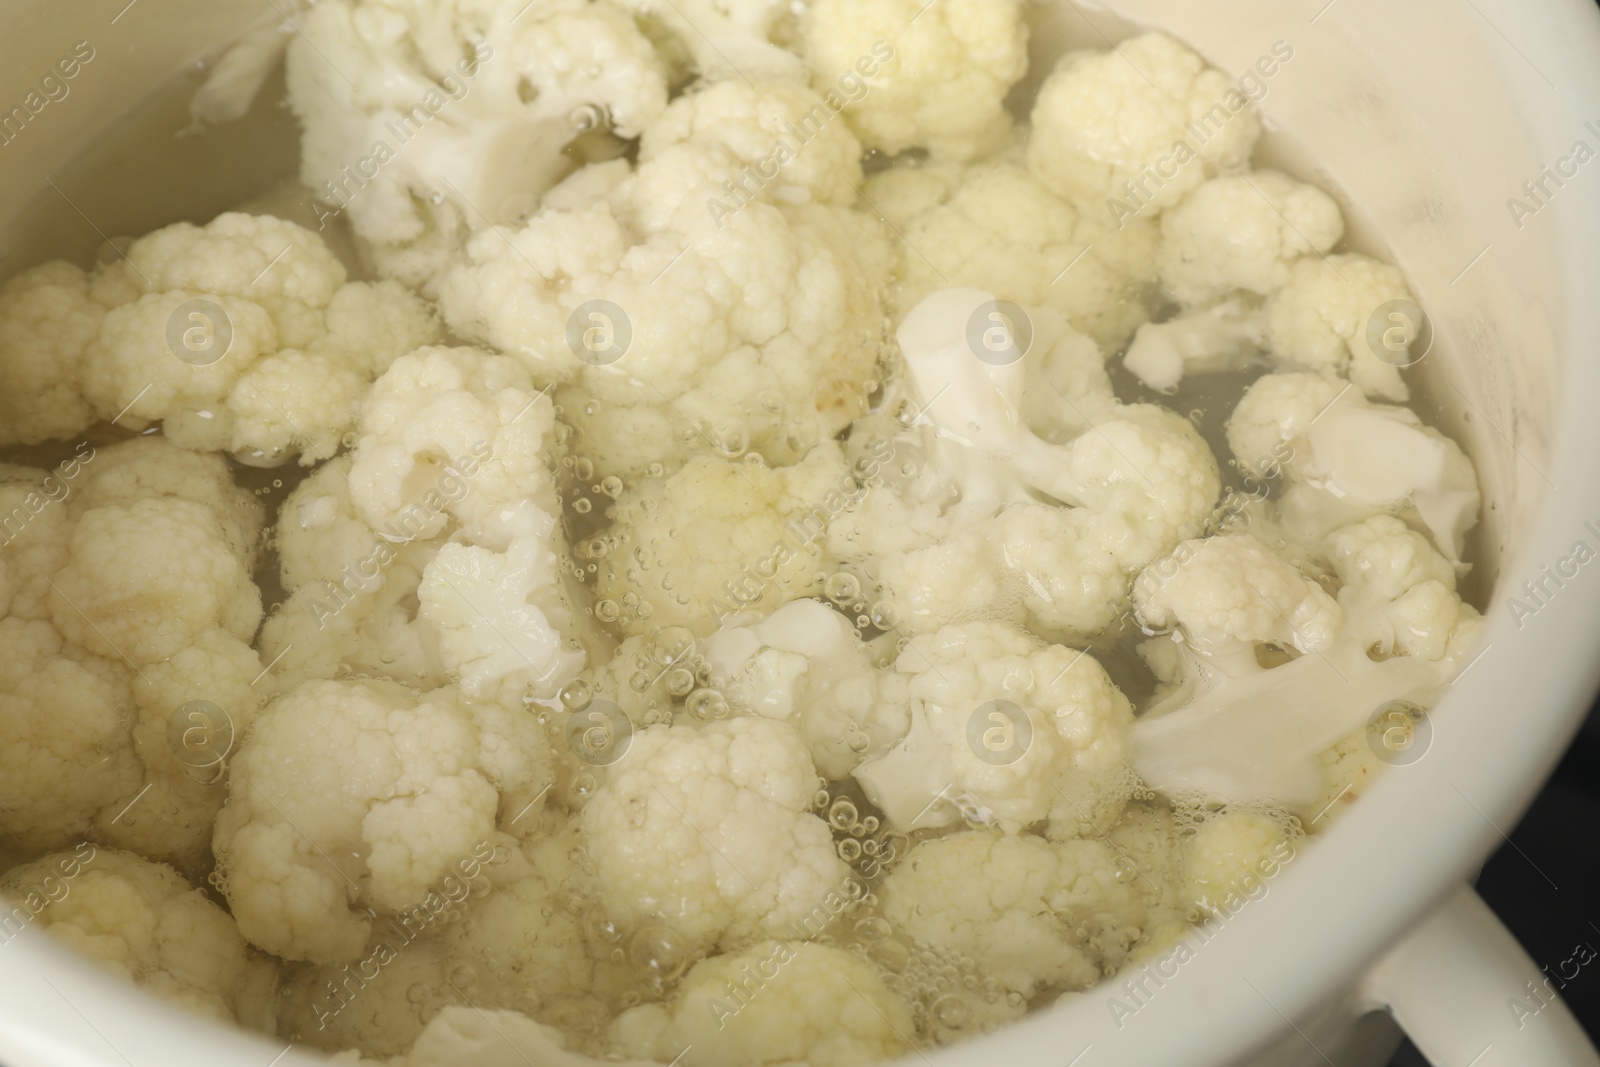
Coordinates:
x,y
1459,985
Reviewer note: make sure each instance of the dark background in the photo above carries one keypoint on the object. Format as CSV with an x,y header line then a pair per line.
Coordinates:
x,y
1560,835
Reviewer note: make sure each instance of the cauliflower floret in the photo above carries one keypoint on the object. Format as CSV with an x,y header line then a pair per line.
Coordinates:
x,y
499,928
34,529
418,118
223,336
965,533
500,618
718,538
1231,594
319,533
684,315
934,78
1000,229
152,467
355,594
455,433
1230,854
362,620
745,121
1244,231
727,38
1006,718
143,921
777,1002
372,324
488,1038
1032,915
1320,321
193,710
804,664
131,368
1347,459
64,749
404,788
296,402
709,832
1107,126
1401,590
1229,728
142,581
48,317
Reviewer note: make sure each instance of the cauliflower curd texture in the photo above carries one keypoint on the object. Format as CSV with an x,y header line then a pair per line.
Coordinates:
x,y
658,562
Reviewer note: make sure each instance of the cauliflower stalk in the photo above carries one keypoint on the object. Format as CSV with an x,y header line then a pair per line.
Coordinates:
x,y
1348,458
1233,729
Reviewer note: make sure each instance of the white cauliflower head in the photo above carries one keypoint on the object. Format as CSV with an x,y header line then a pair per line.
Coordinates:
x,y
998,228
242,336
709,832
64,748
48,317
933,78
776,1002
152,467
193,711
405,787
143,921
454,433
1245,719
687,315
727,38
507,925
1230,594
1320,321
1031,914
35,521
717,538
1244,231
143,580
1000,719
1140,126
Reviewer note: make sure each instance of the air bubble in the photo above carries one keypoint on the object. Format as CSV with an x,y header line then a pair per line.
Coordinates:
x,y
842,815
575,695
842,587
707,705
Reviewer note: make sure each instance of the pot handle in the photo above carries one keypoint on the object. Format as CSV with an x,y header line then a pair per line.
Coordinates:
x,y
1468,995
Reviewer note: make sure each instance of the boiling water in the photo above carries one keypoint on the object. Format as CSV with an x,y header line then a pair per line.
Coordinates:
x,y
153,168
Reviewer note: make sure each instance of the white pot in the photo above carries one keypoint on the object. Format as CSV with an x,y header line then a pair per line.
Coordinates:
x,y
1426,116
